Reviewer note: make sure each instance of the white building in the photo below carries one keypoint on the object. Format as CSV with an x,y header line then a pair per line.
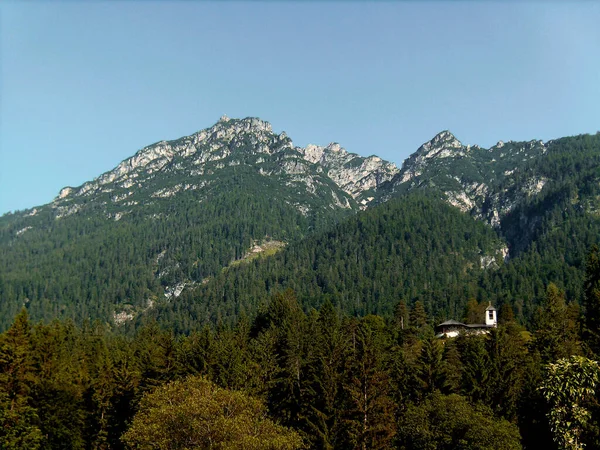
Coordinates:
x,y
452,328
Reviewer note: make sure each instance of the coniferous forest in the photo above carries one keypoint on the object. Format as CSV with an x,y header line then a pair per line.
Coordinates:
x,y
317,379
156,325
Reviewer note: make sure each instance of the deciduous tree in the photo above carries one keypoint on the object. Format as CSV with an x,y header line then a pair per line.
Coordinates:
x,y
196,414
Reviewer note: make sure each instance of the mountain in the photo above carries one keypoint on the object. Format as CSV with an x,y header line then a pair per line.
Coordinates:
x,y
484,182
200,161
414,247
534,216
542,199
493,184
210,224
174,214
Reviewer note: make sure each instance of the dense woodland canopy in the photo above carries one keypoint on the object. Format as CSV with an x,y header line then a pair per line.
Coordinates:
x,y
314,380
416,248
69,268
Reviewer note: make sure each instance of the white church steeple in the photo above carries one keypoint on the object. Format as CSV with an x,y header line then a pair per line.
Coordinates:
x,y
491,319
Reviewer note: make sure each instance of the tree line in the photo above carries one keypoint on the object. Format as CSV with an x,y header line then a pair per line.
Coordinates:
x,y
318,379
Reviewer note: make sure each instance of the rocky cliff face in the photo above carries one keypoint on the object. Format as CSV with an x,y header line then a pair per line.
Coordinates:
x,y
352,173
193,162
188,209
487,183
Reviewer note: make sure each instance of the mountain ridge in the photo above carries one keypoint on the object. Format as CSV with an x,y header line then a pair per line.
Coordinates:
x,y
177,213
354,174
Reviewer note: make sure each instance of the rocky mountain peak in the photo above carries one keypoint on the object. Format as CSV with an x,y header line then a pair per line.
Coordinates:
x,y
355,174
205,145
443,145
226,128
442,140
335,147
230,142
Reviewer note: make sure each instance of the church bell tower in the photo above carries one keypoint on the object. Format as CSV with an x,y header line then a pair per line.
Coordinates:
x,y
491,318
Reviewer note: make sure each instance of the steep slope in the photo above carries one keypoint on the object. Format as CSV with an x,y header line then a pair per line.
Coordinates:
x,y
413,248
172,215
543,199
492,184
198,163
474,179
550,231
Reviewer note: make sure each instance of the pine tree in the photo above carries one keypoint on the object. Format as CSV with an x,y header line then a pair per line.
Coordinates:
x,y
475,381
591,324
418,316
19,421
509,360
61,381
400,316
325,380
556,335
474,312
452,368
506,314
430,370
369,409
287,323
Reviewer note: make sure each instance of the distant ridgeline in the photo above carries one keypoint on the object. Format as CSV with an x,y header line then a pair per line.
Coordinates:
x,y
205,228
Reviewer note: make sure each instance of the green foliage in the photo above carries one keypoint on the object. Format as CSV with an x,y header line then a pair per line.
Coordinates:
x,y
88,266
19,421
557,334
430,370
332,336
416,248
197,414
337,381
550,233
591,324
451,422
476,369
569,386
18,425
368,408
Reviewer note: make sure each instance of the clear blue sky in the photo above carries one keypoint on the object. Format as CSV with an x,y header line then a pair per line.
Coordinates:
x,y
85,85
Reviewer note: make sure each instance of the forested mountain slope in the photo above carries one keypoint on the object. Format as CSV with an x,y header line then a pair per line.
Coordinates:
x,y
414,248
541,199
511,186
549,234
166,232
172,215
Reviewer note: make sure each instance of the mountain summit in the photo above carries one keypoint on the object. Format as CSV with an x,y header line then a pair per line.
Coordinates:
x,y
441,141
195,162
177,213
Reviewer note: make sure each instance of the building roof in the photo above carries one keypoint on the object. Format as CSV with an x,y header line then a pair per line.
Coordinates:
x,y
452,322
455,323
